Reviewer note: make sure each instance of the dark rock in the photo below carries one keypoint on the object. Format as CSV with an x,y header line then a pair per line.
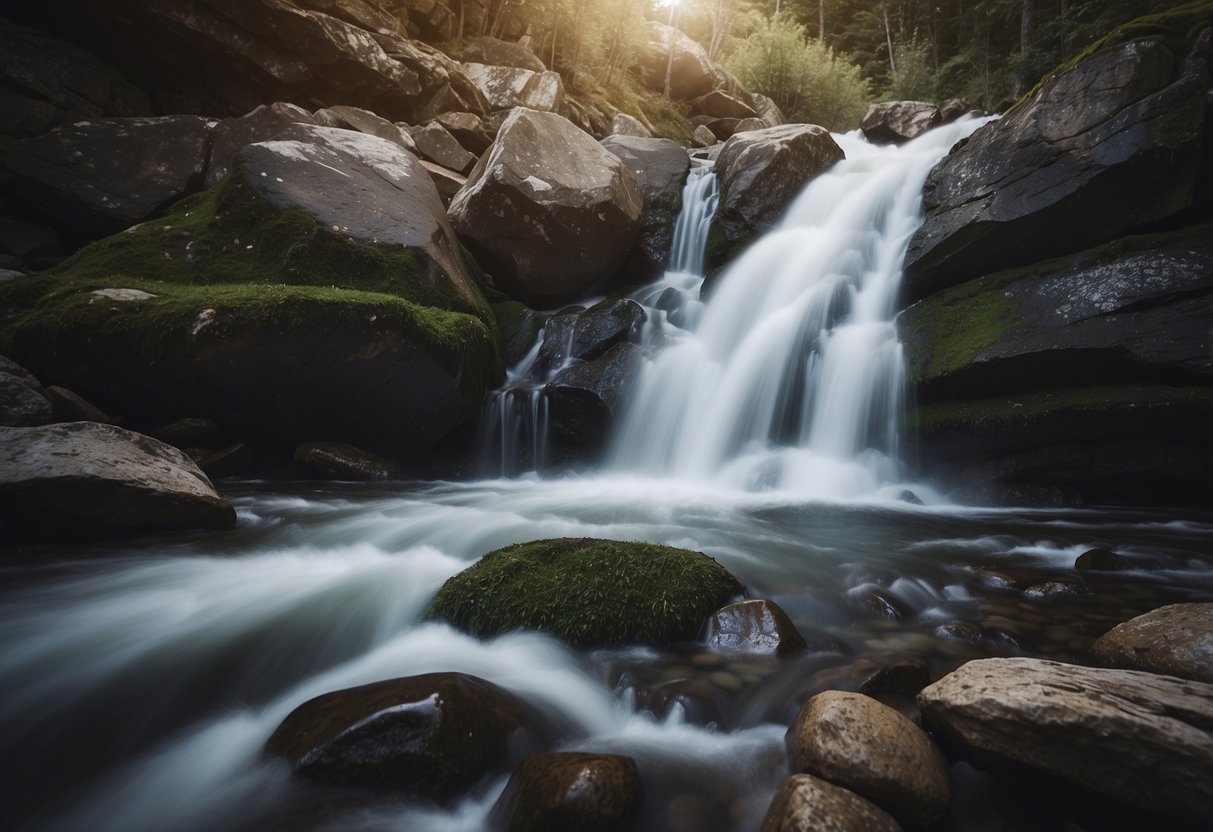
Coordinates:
x,y
364,121
1103,148
547,211
344,462
83,479
587,592
468,129
22,405
952,109
231,135
899,121
31,242
907,676
660,168
94,178
885,605
964,631
566,790
1051,590
191,432
519,327
625,125
365,15
1176,640
722,105
1100,560
805,803
1133,738
232,461
757,627
722,128
585,399
767,110
433,142
12,368
497,52
435,736
857,743
448,182
70,407
604,325
692,72
760,172
507,87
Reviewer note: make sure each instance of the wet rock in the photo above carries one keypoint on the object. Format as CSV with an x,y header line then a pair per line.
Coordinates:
x,y
94,178
1100,560
364,121
906,676
1051,590
22,405
897,122
587,592
886,605
433,142
584,400
568,790
231,135
692,72
857,743
519,327
1135,739
87,480
660,168
625,125
548,212
345,462
805,803
1176,640
757,627
962,631
70,407
720,104
232,461
760,173
435,736
604,325
1104,147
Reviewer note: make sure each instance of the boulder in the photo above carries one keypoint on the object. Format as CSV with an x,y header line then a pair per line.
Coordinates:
x,y
570,790
365,15
952,109
345,462
660,168
47,83
857,743
722,128
12,368
83,479
363,121
70,407
448,182
767,110
584,400
703,136
757,627
468,129
547,210
625,125
719,104
1135,739
1176,640
805,803
191,432
233,461
1101,560
94,178
1105,147
692,72
604,325
747,124
896,122
508,87
587,592
33,245
435,736
21,404
231,135
433,142
760,173
519,326
497,52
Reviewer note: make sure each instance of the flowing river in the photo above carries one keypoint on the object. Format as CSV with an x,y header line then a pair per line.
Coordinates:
x,y
142,678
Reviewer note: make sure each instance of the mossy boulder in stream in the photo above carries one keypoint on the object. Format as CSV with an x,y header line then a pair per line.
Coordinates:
x,y
588,592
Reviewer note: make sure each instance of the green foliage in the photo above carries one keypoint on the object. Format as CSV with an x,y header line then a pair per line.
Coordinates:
x,y
808,81
915,78
587,592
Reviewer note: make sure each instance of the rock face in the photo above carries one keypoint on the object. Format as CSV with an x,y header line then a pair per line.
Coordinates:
x,y
757,627
547,211
807,804
83,479
693,73
1133,738
1068,169
94,178
897,122
858,743
587,592
760,173
569,790
660,167
434,736
1089,371
1176,640
584,400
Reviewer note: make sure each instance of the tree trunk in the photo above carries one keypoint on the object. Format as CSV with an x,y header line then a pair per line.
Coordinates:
x,y
1025,26
888,36
821,21
462,18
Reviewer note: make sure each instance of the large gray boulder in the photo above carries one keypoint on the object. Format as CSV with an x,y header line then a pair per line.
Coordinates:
x,y
897,122
94,178
760,172
584,400
1135,739
498,52
547,211
363,121
805,803
507,87
263,123
435,143
1175,640
1108,146
692,72
720,104
83,479
660,167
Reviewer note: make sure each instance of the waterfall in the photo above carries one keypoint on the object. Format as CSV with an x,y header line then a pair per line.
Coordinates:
x,y
792,376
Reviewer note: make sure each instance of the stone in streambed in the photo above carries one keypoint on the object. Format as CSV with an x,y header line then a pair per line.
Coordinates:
x,y
897,122
587,592
585,399
858,743
561,791
434,736
660,167
1100,560
757,627
345,462
1176,640
805,803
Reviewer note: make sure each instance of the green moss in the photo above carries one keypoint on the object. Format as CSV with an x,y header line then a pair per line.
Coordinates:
x,y
587,592
1177,28
993,414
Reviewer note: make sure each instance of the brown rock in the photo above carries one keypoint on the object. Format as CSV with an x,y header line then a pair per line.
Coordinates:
x,y
562,791
345,462
756,627
1176,640
899,121
805,803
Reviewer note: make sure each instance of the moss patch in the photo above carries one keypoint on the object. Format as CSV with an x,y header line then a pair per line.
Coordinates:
x,y
946,332
587,592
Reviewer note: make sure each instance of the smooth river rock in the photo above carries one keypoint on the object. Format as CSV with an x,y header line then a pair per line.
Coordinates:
x,y
565,790
1176,640
757,626
805,803
1134,738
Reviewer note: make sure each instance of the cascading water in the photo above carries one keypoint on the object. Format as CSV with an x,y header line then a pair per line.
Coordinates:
x,y
793,377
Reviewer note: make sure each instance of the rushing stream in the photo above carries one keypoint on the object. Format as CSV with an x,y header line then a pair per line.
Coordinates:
x,y
142,678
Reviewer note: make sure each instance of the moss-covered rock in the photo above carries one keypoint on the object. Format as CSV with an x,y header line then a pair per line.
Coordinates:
x,y
588,592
